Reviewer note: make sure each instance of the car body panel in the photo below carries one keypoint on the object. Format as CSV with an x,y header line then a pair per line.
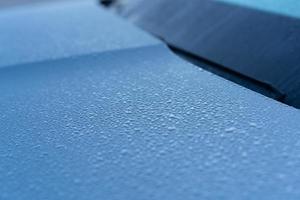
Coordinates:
x,y
134,121
254,43
288,8
56,30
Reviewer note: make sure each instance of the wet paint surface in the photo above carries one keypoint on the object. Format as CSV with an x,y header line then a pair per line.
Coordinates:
x,y
57,30
139,123
260,45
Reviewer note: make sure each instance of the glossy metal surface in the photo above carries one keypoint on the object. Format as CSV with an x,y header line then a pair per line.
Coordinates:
x,y
130,120
262,44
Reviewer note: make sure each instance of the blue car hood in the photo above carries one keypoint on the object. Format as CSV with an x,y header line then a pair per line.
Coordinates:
x,y
94,108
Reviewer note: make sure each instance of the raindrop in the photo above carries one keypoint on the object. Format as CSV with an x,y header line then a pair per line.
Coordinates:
x,y
230,129
171,128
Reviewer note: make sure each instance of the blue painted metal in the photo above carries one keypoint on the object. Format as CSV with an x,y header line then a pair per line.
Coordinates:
x,y
287,7
53,31
133,121
262,46
11,4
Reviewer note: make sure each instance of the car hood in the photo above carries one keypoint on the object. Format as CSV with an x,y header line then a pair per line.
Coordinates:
x,y
94,108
